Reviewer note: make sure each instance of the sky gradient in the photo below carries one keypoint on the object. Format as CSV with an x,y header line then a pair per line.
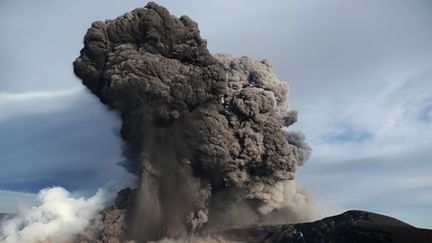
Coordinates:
x,y
360,74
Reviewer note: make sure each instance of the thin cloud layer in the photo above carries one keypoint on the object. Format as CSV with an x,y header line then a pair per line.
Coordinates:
x,y
57,138
34,102
382,123
12,201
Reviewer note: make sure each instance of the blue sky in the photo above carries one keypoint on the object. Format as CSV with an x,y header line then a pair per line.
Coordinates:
x,y
359,73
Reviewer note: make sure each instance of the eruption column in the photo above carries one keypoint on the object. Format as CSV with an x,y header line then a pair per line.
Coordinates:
x,y
202,132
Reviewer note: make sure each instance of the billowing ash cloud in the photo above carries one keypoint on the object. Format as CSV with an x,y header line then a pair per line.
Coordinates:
x,y
298,141
203,132
57,218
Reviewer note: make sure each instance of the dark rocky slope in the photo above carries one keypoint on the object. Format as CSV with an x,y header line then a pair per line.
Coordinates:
x,y
351,226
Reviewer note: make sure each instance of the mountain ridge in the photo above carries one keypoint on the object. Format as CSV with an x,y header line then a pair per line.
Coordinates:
x,y
350,226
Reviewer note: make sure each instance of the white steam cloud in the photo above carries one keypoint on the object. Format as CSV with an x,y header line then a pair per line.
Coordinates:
x,y
57,218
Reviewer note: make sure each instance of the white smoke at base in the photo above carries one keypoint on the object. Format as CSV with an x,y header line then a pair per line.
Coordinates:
x,y
57,218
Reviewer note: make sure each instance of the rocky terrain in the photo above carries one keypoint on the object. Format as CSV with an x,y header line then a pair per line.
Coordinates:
x,y
351,226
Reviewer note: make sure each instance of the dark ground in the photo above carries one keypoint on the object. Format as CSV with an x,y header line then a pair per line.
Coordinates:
x,y
351,226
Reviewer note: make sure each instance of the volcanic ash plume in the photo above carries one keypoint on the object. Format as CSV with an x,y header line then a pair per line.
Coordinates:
x,y
202,132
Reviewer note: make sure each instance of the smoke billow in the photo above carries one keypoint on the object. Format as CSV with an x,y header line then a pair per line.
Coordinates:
x,y
57,218
202,132
298,141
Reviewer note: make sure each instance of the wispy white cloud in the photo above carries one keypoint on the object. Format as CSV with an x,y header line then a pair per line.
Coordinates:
x,y
35,95
12,201
371,150
385,121
34,102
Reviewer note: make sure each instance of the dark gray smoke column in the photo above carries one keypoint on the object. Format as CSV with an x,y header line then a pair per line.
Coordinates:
x,y
203,132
